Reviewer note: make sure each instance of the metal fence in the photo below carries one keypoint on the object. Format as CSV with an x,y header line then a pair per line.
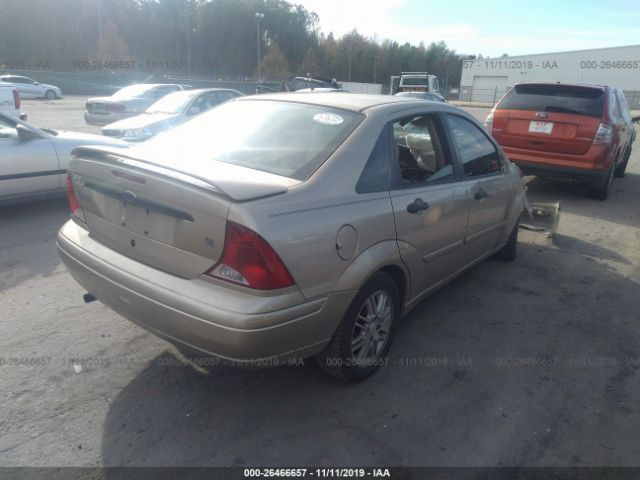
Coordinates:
x,y
107,83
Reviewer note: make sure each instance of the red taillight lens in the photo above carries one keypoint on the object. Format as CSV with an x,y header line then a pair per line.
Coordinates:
x,y
74,205
249,260
603,135
16,99
117,107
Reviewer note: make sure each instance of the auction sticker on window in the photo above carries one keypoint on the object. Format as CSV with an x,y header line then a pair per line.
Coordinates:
x,y
327,118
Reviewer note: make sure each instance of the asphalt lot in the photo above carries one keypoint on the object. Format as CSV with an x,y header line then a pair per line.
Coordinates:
x,y
531,363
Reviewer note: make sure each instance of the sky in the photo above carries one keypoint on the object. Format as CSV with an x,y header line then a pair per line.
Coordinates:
x,y
487,27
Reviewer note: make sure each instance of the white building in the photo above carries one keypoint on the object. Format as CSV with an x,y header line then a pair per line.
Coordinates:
x,y
487,79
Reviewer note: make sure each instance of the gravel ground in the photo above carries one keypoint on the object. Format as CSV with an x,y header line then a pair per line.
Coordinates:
x,y
531,363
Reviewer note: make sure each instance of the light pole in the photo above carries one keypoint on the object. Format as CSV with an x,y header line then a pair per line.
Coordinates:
x,y
259,16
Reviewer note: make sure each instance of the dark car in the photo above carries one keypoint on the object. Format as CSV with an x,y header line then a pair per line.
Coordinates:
x,y
312,82
566,131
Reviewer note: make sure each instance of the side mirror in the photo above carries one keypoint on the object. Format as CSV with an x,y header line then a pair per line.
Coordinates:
x,y
24,133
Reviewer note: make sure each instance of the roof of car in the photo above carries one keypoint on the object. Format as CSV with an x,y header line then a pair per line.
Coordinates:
x,y
565,84
356,102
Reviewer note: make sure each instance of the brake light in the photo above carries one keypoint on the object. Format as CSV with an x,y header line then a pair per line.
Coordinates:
x,y
249,260
488,123
117,107
604,135
16,99
74,204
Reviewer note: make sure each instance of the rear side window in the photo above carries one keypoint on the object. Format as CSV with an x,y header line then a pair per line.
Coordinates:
x,y
555,98
477,153
375,176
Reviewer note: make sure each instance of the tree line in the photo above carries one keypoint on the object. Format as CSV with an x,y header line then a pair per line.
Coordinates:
x,y
207,38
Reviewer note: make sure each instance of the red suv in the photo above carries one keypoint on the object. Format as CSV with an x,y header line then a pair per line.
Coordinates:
x,y
575,132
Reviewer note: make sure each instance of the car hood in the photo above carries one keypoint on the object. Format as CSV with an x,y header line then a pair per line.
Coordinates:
x,y
146,120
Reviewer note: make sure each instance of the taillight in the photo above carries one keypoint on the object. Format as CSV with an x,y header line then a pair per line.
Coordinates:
x,y
116,107
488,123
16,99
604,135
249,260
74,205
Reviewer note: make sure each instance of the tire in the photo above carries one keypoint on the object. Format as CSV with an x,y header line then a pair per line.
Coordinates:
x,y
601,192
50,95
510,250
341,358
620,169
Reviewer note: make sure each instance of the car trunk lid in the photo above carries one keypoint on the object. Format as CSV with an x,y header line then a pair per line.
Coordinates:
x,y
549,117
551,132
172,220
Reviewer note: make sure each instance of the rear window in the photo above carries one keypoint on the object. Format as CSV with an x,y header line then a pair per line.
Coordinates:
x,y
282,138
407,81
555,98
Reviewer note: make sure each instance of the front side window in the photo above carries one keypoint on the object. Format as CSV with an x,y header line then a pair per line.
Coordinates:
x,y
477,154
421,158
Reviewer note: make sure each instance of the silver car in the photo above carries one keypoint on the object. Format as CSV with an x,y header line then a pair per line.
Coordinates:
x,y
33,161
126,102
168,112
29,88
283,227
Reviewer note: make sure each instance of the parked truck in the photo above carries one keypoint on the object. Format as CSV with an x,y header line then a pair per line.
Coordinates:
x,y
414,82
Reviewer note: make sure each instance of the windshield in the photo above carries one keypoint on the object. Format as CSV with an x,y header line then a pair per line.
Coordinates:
x,y
173,103
555,98
132,91
283,138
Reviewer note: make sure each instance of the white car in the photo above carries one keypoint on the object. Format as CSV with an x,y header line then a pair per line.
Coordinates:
x,y
10,101
29,88
33,161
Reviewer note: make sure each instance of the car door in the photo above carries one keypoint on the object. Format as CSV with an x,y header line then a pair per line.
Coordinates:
x,y
487,189
28,166
26,87
429,201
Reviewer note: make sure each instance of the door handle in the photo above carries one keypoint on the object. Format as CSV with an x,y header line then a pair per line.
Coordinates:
x,y
480,194
417,206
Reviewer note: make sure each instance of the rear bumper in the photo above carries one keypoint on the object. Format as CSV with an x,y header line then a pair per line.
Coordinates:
x,y
590,168
229,324
561,173
101,119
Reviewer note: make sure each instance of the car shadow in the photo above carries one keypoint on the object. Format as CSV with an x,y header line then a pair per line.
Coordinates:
x,y
624,192
504,366
27,241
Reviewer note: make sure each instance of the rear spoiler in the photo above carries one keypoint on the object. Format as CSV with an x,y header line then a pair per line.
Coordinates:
x,y
232,181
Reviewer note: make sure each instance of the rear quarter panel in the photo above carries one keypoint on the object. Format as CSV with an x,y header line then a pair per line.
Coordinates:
x,y
303,224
